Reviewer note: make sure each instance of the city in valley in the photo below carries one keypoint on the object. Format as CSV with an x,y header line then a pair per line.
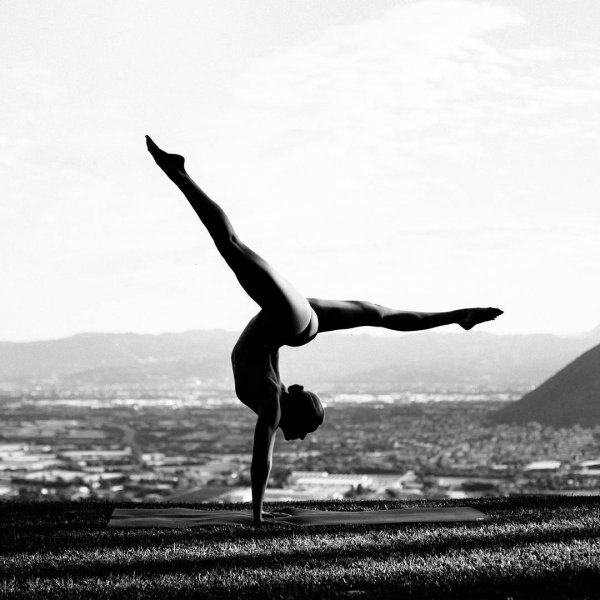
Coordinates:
x,y
192,442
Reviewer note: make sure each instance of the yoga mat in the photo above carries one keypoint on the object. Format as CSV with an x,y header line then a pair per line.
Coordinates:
x,y
188,517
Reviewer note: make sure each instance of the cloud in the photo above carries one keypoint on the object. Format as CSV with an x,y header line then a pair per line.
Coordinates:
x,y
438,137
376,120
408,85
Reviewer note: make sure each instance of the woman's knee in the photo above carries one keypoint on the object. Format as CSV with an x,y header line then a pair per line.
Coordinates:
x,y
231,249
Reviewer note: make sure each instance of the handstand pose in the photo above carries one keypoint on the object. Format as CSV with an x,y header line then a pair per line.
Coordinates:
x,y
286,318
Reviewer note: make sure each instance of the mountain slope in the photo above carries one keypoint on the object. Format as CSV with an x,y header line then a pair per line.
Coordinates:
x,y
570,396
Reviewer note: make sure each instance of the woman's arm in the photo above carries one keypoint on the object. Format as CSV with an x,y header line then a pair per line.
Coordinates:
x,y
262,452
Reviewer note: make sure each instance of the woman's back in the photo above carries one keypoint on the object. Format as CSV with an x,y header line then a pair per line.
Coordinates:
x,y
255,363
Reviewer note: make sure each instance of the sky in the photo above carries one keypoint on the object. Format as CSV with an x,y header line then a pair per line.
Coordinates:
x,y
424,155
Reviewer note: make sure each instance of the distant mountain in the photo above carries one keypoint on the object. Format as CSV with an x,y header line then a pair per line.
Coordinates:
x,y
570,396
445,359
424,359
108,357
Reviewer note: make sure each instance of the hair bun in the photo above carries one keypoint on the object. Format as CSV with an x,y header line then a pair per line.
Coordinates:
x,y
296,388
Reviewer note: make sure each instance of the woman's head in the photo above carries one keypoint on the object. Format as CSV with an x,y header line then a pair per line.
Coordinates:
x,y
301,413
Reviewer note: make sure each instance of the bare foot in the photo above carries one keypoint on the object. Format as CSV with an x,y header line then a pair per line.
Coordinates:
x,y
171,164
469,317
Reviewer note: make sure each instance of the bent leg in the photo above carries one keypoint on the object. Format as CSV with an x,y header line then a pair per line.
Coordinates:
x,y
346,314
262,283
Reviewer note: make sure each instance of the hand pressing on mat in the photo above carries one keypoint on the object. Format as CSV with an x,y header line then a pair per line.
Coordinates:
x,y
271,517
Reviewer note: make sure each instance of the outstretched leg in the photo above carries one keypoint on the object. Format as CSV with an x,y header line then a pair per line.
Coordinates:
x,y
260,281
346,314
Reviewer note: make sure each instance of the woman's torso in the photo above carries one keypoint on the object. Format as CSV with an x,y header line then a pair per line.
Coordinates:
x,y
255,358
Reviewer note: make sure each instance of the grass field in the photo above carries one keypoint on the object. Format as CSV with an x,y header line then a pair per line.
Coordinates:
x,y
532,547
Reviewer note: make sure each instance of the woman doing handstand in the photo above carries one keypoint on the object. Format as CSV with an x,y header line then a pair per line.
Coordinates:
x,y
286,318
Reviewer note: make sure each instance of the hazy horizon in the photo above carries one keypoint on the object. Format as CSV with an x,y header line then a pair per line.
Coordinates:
x,y
369,331
425,155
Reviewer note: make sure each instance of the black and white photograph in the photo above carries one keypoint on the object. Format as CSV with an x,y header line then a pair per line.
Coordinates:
x,y
300,299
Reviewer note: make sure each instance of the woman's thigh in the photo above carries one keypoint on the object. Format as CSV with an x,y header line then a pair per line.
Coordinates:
x,y
345,314
282,304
